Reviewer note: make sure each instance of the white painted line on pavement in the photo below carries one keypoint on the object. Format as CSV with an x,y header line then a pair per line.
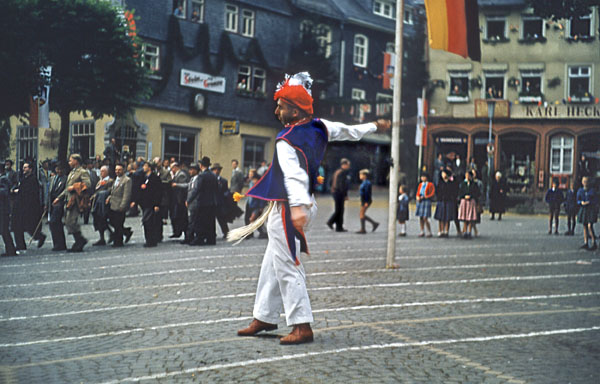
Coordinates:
x,y
315,274
210,269
246,318
359,348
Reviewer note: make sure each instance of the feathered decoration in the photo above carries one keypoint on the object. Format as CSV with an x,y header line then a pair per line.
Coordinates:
x,y
296,90
241,233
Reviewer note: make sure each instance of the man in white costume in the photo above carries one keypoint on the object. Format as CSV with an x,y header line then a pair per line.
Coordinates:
x,y
288,185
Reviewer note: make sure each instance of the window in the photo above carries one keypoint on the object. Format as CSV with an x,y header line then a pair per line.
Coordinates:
x,y
561,154
179,8
247,23
251,80
27,144
82,139
323,36
384,104
494,85
581,27
533,28
361,50
384,8
197,11
495,28
579,83
531,84
459,86
358,94
180,144
231,18
254,152
151,56
408,17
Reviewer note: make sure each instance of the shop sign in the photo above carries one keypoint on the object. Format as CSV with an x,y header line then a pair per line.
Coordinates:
x,y
202,81
556,111
451,140
229,127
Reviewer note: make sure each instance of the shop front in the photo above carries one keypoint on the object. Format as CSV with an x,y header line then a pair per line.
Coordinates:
x,y
518,161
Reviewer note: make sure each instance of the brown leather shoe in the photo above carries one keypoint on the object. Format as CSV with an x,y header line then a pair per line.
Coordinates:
x,y
255,327
301,333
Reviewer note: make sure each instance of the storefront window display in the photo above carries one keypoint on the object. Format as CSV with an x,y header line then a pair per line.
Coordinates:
x,y
517,161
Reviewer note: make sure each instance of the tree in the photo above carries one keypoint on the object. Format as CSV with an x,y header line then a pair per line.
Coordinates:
x,y
561,9
92,49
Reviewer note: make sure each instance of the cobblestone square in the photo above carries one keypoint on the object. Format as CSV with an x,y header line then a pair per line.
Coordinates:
x,y
511,306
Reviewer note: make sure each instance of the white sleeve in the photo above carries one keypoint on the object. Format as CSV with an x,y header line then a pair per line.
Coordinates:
x,y
340,131
294,177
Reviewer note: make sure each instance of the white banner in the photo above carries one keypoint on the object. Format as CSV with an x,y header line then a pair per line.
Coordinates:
x,y
42,99
420,123
203,81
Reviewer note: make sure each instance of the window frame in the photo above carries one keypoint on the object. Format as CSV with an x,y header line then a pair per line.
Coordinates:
x,y
147,63
356,91
379,9
365,51
571,95
462,98
562,147
532,97
174,129
410,20
257,140
529,17
201,4
251,73
90,134
248,22
494,74
590,34
384,104
27,141
323,35
494,18
232,14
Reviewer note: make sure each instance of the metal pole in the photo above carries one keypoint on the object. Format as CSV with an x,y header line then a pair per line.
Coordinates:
x,y
491,107
421,123
395,150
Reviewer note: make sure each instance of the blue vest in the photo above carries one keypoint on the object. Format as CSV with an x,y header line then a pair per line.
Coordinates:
x,y
310,141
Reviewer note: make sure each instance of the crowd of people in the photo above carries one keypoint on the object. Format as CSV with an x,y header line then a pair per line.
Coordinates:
x,y
194,197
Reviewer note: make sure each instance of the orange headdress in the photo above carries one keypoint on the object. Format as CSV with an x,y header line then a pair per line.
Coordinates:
x,y
295,90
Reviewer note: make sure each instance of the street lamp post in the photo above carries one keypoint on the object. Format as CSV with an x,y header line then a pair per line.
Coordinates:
x,y
491,103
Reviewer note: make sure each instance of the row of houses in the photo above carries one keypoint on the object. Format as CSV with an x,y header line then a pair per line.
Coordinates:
x,y
215,65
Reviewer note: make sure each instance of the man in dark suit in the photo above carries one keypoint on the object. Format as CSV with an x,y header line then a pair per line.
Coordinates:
x,y
57,185
223,190
5,185
207,205
339,191
179,214
118,201
148,196
27,211
191,204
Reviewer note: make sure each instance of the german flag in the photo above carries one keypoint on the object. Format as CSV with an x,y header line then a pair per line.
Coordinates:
x,y
453,26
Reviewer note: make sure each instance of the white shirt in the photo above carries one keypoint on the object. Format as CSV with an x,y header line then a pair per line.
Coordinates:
x,y
296,180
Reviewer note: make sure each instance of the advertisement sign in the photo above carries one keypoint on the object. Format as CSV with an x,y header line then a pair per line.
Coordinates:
x,y
202,81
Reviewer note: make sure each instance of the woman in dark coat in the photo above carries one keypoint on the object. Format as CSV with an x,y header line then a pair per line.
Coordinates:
x,y
27,208
498,196
445,210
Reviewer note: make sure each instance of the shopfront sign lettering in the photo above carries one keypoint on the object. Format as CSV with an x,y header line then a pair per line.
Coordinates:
x,y
203,81
557,111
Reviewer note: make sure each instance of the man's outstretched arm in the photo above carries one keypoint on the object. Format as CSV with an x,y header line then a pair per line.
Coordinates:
x,y
340,131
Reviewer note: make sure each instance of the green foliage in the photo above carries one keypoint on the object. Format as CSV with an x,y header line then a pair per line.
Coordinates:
x,y
561,9
94,58
4,139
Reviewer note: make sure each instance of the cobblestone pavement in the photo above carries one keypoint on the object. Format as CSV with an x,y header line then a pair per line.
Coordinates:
x,y
511,306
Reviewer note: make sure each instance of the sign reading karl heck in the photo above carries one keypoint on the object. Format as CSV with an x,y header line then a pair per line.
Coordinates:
x,y
556,111
202,81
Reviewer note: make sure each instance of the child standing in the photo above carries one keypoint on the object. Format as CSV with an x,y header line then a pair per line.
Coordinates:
x,y
425,192
554,198
588,212
365,201
571,209
468,193
402,213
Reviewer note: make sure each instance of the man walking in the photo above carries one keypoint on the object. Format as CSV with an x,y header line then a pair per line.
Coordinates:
x,y
179,216
78,182
27,210
339,191
289,185
207,204
222,193
9,246
57,186
118,202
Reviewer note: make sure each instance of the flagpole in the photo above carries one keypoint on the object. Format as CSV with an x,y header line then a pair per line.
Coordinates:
x,y
395,150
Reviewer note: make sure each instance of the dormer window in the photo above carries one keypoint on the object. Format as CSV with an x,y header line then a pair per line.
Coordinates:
x,y
385,8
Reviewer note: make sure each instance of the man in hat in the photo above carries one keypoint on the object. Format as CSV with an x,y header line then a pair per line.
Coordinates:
x,y
288,185
148,196
78,182
191,204
222,194
207,204
179,215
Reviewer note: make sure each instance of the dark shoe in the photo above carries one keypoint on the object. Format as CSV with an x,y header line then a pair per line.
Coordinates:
x,y
128,234
500,218
362,231
550,232
80,242
593,247
341,230
556,232
59,249
99,242
8,254
492,218
330,225
184,241
41,240
401,234
584,246
375,225
255,327
175,236
301,333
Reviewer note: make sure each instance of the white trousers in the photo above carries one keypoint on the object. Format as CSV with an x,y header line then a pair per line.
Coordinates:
x,y
282,283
